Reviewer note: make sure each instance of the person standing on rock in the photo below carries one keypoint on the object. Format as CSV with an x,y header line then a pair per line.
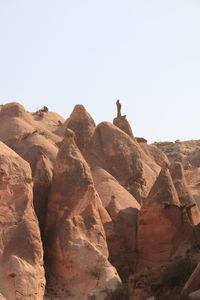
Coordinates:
x,y
119,106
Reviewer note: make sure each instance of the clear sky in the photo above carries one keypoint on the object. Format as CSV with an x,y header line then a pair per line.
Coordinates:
x,y
60,53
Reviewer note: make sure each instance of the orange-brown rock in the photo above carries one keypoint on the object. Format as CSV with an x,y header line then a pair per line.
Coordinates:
x,y
124,125
188,153
122,157
123,210
42,179
21,254
76,242
81,122
29,136
185,196
164,229
155,153
193,282
193,180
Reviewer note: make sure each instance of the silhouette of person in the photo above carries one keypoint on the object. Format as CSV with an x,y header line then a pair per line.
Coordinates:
x,y
119,106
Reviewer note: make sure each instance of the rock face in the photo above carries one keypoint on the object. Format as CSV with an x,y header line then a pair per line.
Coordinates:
x,y
32,137
83,126
43,173
21,254
76,243
123,158
124,125
185,196
188,153
161,219
123,210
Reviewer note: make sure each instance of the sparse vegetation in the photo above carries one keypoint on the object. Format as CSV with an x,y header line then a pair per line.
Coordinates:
x,y
120,293
177,272
168,279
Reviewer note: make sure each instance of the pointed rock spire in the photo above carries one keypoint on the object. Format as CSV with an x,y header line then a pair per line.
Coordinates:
x,y
74,232
83,125
163,190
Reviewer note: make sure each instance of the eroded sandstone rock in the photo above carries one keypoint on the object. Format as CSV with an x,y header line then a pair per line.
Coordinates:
x,y
123,158
164,229
185,196
123,210
21,254
76,243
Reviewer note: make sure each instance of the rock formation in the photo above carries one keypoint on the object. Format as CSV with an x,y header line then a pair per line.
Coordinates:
x,y
83,126
123,210
111,208
121,122
164,230
21,254
188,153
185,196
76,243
123,158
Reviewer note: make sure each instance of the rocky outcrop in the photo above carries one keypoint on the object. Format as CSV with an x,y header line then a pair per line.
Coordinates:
x,y
185,196
121,121
123,158
21,254
32,137
75,238
83,126
42,179
123,210
162,224
188,154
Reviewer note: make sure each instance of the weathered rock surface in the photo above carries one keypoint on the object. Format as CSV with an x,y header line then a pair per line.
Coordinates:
x,y
123,158
185,196
21,254
122,123
30,136
164,229
76,243
123,210
92,223
83,126
188,153
193,283
43,173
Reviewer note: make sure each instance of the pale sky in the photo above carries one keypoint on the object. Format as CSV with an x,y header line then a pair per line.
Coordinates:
x,y
60,53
